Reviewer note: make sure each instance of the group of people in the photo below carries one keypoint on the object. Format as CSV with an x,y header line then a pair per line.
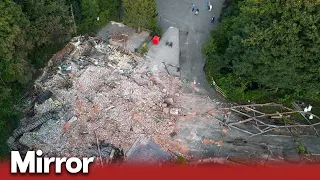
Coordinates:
x,y
196,11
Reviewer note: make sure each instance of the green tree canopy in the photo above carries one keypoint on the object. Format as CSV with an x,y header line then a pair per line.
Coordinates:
x,y
111,8
90,12
50,26
86,13
50,21
15,68
267,48
140,13
13,44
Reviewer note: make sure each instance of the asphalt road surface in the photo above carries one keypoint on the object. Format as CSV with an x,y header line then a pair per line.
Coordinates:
x,y
194,31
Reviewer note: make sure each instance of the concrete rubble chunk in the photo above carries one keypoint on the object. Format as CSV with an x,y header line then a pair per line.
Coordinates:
x,y
43,96
169,101
166,110
137,117
73,119
174,111
146,151
164,105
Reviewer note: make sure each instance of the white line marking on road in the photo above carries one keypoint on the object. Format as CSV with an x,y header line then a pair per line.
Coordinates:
x,y
169,21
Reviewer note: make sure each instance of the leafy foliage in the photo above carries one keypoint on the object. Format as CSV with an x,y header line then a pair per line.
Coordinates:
x,y
266,49
144,48
110,7
97,13
14,65
50,21
50,26
140,13
13,44
75,10
90,12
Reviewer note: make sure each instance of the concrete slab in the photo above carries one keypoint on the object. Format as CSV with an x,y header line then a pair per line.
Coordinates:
x,y
199,135
164,57
132,40
147,152
311,144
135,40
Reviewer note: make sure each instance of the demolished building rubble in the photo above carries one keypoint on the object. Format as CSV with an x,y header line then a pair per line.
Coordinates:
x,y
96,99
100,92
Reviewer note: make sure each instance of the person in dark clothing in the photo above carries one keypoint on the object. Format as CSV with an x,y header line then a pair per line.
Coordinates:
x,y
193,7
212,19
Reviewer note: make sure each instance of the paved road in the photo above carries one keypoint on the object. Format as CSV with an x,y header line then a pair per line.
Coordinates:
x,y
194,31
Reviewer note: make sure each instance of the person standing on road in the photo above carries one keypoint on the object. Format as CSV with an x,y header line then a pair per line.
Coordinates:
x,y
193,7
212,19
197,12
210,7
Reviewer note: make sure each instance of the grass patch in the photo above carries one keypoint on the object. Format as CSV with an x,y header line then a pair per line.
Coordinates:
x,y
181,160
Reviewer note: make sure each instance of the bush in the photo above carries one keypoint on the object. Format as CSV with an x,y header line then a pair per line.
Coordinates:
x,y
156,31
144,48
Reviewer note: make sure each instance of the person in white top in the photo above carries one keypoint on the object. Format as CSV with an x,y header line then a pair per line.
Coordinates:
x,y
197,12
210,7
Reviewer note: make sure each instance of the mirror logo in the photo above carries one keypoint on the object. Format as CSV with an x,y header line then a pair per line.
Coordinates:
x,y
34,163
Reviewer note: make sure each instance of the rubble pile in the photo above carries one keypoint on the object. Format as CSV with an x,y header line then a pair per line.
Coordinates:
x,y
96,99
101,93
